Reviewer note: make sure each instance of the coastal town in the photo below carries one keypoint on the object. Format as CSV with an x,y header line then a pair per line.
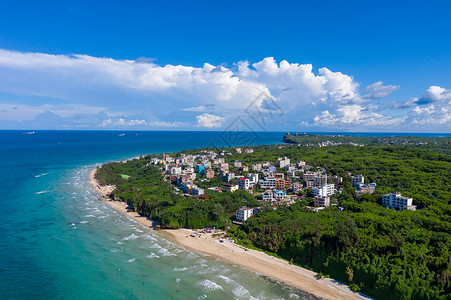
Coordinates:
x,y
277,183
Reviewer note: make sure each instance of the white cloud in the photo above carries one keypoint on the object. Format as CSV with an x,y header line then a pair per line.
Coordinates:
x,y
209,120
201,108
435,94
356,115
168,124
430,115
379,90
142,93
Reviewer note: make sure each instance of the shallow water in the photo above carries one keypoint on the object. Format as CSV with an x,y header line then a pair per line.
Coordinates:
x,y
58,242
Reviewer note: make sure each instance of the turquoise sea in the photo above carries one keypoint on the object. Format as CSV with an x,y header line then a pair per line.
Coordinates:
x,y
58,242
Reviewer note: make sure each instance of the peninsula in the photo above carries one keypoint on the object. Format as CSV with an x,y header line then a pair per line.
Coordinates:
x,y
371,216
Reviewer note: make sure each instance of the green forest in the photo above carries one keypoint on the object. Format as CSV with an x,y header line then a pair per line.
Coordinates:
x,y
383,253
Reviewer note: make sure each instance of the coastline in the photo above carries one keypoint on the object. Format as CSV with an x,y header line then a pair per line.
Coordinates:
x,y
256,261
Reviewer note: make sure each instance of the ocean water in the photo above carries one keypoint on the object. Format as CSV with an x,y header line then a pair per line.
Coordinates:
x,y
58,242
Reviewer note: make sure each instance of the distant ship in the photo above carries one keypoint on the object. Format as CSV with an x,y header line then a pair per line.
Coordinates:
x,y
121,134
28,132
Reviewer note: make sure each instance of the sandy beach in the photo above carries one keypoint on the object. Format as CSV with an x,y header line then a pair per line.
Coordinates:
x,y
230,252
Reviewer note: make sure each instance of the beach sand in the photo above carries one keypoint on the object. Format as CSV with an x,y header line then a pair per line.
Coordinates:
x,y
253,260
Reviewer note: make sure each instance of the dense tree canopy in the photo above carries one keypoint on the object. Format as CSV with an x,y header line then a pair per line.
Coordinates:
x,y
384,253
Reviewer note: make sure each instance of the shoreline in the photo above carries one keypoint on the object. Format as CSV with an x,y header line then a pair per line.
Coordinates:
x,y
256,261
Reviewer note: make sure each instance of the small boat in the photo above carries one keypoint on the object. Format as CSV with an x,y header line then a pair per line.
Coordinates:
x,y
28,132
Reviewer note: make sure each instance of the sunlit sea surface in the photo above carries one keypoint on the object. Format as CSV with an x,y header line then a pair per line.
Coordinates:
x,y
58,242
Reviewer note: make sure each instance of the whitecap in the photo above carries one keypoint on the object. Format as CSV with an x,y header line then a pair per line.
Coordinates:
x,y
43,174
180,269
84,222
89,216
240,291
166,252
130,237
208,285
152,255
41,192
131,260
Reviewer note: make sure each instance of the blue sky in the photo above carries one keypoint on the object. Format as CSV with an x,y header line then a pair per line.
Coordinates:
x,y
200,65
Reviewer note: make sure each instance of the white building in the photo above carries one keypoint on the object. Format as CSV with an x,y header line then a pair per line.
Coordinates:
x,y
243,184
355,180
279,195
176,170
227,177
267,196
267,183
253,178
325,190
237,163
396,201
196,191
283,162
244,213
322,201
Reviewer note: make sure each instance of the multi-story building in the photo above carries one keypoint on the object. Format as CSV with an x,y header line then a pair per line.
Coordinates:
x,y
176,170
325,190
267,183
355,180
249,151
296,186
244,213
320,180
243,183
280,183
279,195
336,179
267,196
186,187
253,178
322,201
229,187
237,163
309,176
283,162
227,177
288,184
196,191
278,175
396,201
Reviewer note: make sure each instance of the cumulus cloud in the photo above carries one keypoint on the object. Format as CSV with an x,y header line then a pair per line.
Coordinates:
x,y
141,93
209,121
435,94
356,115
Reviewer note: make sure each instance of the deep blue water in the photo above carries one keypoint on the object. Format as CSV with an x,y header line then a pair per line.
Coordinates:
x,y
58,242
